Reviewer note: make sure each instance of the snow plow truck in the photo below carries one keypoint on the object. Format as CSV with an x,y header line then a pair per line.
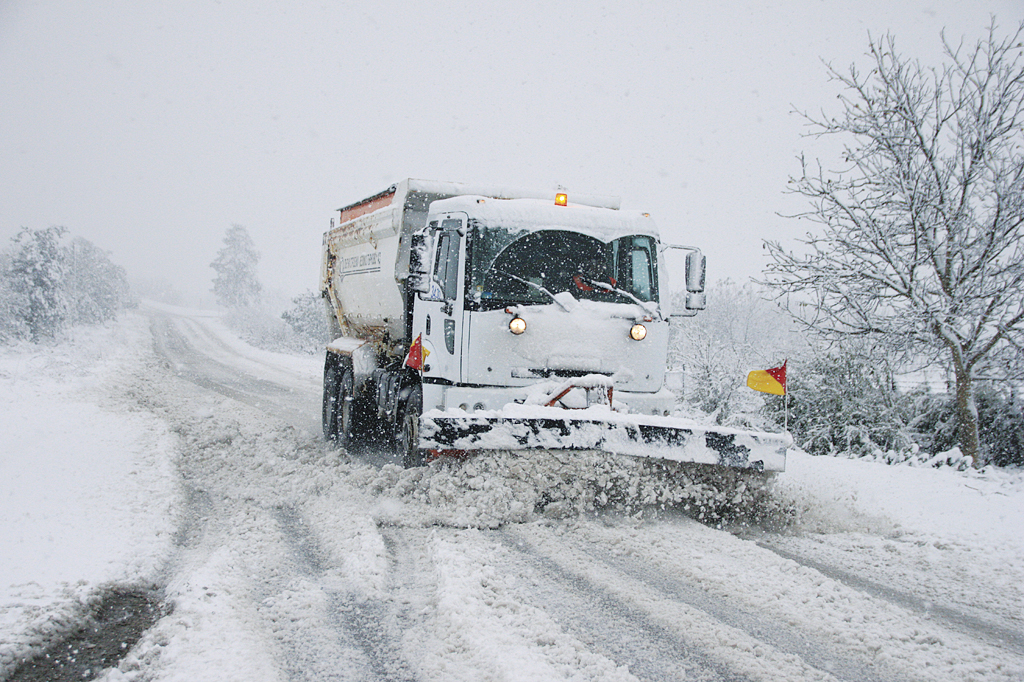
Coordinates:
x,y
468,318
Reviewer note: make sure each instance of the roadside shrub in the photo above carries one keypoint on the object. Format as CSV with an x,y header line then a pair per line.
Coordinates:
x,y
1000,419
307,318
738,332
261,329
843,402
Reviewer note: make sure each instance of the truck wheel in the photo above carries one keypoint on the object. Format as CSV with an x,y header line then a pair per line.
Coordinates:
x,y
347,419
407,437
343,420
332,377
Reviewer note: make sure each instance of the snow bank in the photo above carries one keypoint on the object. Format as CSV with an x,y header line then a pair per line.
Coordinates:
x,y
88,490
964,529
984,508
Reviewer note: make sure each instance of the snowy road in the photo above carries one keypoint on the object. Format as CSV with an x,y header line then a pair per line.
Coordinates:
x,y
293,561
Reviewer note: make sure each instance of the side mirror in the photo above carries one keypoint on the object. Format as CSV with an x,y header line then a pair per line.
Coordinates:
x,y
696,271
696,268
696,300
419,259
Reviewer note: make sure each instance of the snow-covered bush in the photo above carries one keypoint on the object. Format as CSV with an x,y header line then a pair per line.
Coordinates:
x,y
306,317
47,285
1000,419
740,331
98,289
13,303
262,329
36,275
844,402
847,403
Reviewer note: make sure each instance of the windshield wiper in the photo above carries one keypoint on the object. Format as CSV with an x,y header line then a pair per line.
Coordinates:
x,y
537,287
608,287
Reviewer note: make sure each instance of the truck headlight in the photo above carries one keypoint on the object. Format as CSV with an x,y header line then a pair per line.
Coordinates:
x,y
637,332
517,325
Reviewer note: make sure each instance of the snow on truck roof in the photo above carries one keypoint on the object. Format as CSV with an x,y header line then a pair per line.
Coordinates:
x,y
452,189
413,187
532,215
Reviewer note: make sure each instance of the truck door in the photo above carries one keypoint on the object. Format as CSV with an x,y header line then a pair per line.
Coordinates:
x,y
438,314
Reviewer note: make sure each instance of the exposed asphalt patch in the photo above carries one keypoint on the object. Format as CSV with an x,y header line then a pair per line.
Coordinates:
x,y
114,625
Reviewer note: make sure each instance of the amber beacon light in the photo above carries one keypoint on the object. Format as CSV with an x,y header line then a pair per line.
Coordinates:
x,y
561,199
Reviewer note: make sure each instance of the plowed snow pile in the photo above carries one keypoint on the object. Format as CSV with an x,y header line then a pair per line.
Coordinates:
x,y
495,488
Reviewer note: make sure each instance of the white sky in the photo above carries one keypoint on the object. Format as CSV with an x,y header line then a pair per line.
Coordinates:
x,y
150,128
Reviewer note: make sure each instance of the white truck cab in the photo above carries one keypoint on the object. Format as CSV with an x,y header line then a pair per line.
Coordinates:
x,y
581,284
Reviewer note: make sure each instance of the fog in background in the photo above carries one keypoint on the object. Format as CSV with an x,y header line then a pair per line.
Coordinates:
x,y
151,128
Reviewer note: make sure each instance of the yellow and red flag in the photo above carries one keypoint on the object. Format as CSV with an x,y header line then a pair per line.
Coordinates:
x,y
769,380
417,354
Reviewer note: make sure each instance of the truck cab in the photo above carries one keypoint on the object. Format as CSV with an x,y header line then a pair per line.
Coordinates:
x,y
516,292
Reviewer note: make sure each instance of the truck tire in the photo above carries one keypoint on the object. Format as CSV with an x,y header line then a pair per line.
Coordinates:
x,y
349,425
332,378
344,417
407,431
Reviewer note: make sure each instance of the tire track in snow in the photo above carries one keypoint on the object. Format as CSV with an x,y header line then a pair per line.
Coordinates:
x,y
246,571
370,623
992,633
735,640
768,630
611,626
189,363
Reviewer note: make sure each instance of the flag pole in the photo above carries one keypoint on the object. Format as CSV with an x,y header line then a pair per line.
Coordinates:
x,y
785,388
786,427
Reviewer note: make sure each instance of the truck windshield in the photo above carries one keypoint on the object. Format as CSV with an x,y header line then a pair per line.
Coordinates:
x,y
516,268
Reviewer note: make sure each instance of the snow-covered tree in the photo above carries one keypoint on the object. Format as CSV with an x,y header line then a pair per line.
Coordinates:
x,y
13,304
36,280
47,284
97,288
920,243
236,284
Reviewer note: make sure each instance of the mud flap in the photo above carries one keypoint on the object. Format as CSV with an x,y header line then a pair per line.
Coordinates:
x,y
635,436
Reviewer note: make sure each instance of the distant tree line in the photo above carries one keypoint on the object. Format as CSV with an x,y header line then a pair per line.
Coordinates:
x,y
49,282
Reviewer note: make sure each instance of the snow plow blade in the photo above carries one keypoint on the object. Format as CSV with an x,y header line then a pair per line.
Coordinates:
x,y
667,438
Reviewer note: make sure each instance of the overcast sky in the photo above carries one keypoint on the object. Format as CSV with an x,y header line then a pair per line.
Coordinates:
x,y
152,127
